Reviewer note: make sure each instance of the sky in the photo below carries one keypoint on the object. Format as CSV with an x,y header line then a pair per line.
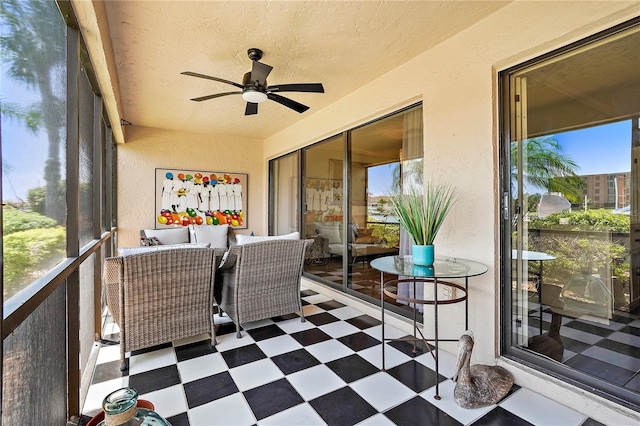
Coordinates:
x,y
601,149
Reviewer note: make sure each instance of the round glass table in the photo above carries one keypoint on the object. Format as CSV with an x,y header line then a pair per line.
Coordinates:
x,y
408,272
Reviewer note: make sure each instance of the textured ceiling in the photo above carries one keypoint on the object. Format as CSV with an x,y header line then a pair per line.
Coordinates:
x,y
343,45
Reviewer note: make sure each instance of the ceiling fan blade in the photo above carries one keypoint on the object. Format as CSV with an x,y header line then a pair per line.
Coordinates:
x,y
300,87
251,109
260,72
208,77
289,103
217,95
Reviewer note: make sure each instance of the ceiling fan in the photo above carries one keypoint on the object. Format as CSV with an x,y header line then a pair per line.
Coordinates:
x,y
255,89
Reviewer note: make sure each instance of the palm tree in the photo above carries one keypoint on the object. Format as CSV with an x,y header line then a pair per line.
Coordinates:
x,y
548,167
33,46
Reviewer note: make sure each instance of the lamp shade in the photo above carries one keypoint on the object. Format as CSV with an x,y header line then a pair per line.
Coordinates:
x,y
254,96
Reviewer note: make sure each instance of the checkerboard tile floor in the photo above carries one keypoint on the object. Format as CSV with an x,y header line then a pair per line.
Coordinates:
x,y
322,371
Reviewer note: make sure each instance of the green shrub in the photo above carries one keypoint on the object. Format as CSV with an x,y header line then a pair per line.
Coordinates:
x,y
28,254
15,220
591,220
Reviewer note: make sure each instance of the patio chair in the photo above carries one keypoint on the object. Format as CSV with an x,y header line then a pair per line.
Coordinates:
x,y
161,296
262,280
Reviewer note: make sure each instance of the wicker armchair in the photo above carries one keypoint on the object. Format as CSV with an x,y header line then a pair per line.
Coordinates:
x,y
161,296
262,280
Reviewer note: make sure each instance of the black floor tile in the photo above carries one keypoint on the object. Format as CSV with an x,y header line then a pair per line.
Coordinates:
x,y
242,355
272,398
597,368
151,349
591,422
363,321
631,330
321,319
107,371
194,350
305,293
574,345
352,368
500,417
266,332
589,328
153,380
342,407
619,347
207,389
181,419
634,383
331,304
358,341
417,412
411,348
415,376
291,362
285,317
310,337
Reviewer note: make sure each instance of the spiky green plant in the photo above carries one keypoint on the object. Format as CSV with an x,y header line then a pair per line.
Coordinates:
x,y
421,212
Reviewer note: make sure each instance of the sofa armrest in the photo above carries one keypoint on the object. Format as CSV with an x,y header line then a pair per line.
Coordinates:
x,y
113,275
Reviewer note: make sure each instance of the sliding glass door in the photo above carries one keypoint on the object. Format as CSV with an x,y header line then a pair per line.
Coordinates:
x,y
571,245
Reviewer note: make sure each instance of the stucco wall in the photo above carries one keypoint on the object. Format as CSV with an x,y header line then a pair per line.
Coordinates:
x,y
147,149
457,83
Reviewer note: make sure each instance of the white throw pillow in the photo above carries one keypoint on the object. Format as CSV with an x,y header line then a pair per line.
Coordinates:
x,y
329,230
247,239
216,235
170,235
127,251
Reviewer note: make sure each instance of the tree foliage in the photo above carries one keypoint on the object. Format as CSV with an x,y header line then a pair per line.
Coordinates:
x,y
547,166
591,220
14,220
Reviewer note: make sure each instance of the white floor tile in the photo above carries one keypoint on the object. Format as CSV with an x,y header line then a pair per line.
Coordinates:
x,y
390,332
300,415
254,374
329,350
315,381
311,310
339,329
449,406
539,410
257,324
108,353
202,366
345,312
168,401
613,357
393,357
230,341
294,325
626,338
382,391
580,336
278,345
317,298
99,391
152,360
377,420
232,410
446,363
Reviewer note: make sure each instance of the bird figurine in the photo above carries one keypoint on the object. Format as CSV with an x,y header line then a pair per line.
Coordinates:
x,y
549,344
479,385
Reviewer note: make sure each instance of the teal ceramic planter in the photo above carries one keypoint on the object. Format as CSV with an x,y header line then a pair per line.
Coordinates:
x,y
422,255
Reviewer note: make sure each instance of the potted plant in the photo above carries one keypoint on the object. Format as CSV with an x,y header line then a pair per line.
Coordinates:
x,y
421,213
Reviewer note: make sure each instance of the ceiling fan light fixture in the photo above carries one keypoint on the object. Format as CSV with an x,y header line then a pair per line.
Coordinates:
x,y
254,96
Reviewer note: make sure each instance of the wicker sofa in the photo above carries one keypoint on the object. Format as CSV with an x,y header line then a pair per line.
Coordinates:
x,y
161,294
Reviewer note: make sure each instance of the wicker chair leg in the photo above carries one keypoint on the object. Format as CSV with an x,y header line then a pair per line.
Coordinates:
x,y
238,334
302,315
124,363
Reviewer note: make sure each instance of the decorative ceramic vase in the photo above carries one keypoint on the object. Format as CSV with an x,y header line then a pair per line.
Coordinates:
x,y
422,255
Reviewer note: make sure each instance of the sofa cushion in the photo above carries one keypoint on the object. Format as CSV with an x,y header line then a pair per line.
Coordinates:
x,y
216,235
246,239
329,230
170,235
127,251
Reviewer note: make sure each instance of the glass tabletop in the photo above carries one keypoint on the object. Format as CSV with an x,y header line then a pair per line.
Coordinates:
x,y
443,267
